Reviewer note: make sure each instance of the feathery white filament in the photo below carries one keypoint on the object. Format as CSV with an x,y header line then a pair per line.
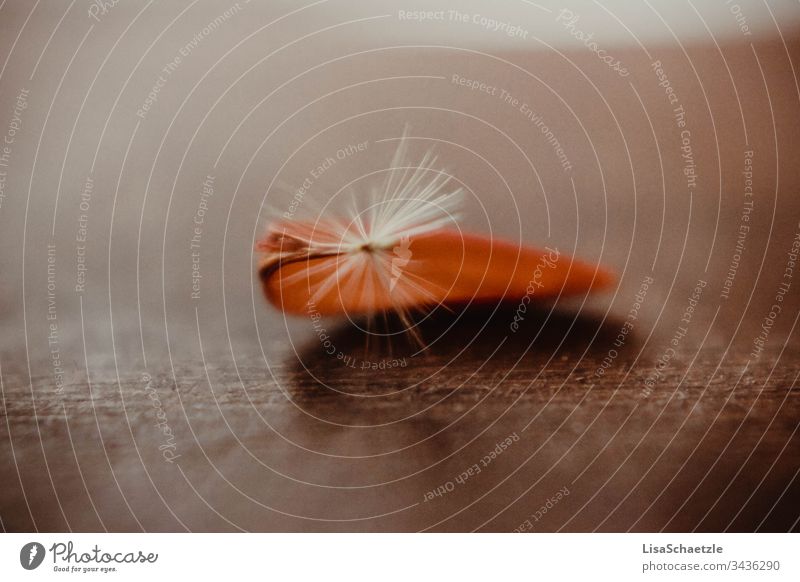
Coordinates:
x,y
372,244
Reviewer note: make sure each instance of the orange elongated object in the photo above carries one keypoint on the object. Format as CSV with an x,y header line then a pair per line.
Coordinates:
x,y
443,266
402,251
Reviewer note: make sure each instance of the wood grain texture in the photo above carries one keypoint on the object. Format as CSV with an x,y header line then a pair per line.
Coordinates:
x,y
318,446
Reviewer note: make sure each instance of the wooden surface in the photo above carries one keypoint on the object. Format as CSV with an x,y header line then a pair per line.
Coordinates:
x,y
713,447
